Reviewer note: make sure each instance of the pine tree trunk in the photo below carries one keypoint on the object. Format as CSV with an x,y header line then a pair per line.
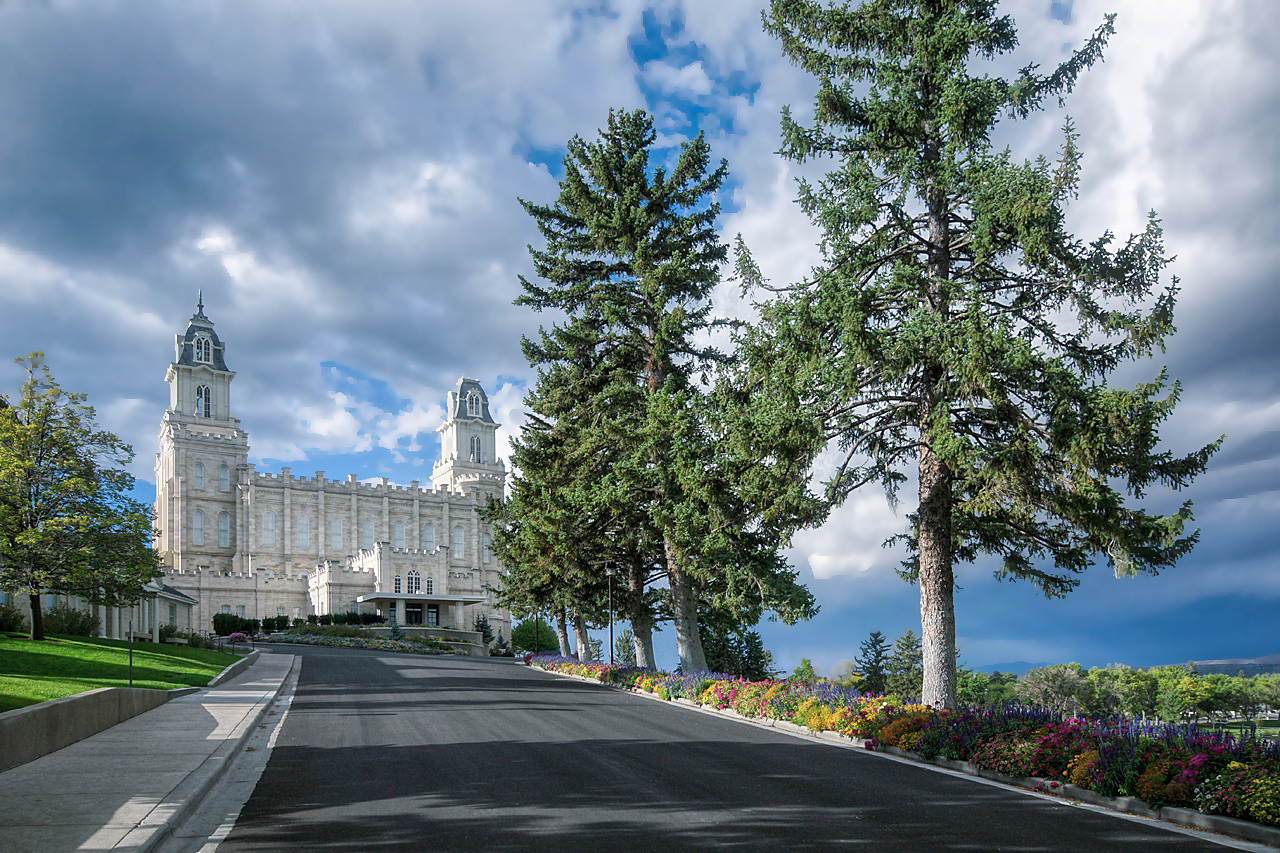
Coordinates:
x,y
937,583
562,631
580,631
37,618
638,614
684,614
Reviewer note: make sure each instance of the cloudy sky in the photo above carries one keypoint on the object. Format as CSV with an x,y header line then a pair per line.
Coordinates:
x,y
341,180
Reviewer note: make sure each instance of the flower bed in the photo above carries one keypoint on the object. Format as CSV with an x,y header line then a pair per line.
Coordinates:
x,y
1160,764
410,646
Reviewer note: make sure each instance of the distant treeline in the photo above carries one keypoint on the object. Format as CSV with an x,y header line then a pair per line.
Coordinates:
x,y
1244,670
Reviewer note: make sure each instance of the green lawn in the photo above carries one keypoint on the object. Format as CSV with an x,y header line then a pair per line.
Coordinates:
x,y
36,672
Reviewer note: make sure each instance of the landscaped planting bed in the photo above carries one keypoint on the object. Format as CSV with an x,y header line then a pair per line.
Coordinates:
x,y
414,647
1179,768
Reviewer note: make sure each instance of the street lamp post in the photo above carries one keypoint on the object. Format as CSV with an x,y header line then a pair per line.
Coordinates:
x,y
609,570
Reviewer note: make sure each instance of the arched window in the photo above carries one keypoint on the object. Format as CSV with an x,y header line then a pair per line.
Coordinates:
x,y
428,537
204,350
279,612
224,530
335,534
473,405
396,584
430,586
224,479
304,531
269,530
488,552
477,454
197,528
226,608
368,535
459,540
197,476
204,399
397,535
415,582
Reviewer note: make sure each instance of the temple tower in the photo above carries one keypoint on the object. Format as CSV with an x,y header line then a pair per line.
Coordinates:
x,y
202,454
469,443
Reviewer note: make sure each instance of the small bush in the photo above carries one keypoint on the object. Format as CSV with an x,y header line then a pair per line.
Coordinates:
x,y
13,619
194,640
70,621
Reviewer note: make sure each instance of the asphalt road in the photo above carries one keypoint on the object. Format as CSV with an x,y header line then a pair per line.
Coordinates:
x,y
385,752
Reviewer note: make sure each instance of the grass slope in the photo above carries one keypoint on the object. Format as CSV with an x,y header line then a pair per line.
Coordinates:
x,y
36,672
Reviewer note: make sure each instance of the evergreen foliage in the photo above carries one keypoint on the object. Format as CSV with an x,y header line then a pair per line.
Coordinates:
x,y
872,663
905,675
741,654
620,457
67,522
954,324
624,648
481,625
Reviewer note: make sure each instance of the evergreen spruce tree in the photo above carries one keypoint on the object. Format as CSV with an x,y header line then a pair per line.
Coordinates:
x,y
905,675
631,258
954,324
872,662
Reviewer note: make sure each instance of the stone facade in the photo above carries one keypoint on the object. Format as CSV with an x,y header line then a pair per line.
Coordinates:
x,y
260,544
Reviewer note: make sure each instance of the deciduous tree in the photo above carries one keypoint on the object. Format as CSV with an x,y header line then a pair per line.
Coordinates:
x,y
67,522
954,324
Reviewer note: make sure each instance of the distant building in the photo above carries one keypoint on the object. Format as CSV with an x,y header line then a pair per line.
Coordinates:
x,y
261,545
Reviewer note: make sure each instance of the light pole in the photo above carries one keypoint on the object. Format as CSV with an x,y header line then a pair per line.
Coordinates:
x,y
609,570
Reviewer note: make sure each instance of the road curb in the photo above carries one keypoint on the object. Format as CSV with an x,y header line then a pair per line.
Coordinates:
x,y
184,799
234,669
1183,819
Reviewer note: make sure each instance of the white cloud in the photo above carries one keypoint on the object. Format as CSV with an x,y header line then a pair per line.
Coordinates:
x,y
692,79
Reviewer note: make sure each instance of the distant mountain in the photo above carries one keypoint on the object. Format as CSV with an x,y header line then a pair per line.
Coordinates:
x,y
1266,660
1265,665
1017,667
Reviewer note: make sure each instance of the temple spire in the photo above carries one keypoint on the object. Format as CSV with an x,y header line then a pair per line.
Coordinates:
x,y
199,315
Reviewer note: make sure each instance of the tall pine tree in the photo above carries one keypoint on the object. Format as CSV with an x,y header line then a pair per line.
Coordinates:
x,y
631,258
954,324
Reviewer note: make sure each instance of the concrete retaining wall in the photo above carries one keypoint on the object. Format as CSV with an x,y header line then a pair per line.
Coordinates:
x,y
36,730
28,733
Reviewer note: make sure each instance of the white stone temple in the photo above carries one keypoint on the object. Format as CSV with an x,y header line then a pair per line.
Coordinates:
x,y
260,544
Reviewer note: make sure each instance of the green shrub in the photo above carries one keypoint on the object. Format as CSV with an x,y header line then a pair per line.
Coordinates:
x,y
225,624
194,639
13,619
167,631
70,621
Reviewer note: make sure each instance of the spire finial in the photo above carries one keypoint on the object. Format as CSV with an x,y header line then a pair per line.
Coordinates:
x,y
200,300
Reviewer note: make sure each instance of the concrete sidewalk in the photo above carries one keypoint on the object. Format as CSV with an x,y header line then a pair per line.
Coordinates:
x,y
126,788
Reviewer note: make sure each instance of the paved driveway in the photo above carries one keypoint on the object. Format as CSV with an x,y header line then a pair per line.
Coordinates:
x,y
387,752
